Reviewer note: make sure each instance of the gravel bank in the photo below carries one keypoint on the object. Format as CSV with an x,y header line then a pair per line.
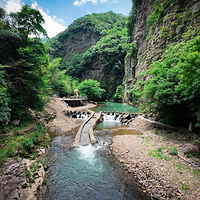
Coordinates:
x,y
148,159
59,123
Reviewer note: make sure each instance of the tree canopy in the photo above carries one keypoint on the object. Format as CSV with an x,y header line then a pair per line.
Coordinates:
x,y
23,61
91,89
174,89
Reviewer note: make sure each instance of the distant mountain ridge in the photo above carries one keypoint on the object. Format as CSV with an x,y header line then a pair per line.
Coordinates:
x,y
82,34
93,46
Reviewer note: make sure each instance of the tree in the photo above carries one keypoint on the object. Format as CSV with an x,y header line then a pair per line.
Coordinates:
x,y
173,92
25,78
28,21
57,81
91,89
4,99
119,94
25,59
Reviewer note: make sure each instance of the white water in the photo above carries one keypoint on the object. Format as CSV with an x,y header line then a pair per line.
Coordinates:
x,y
87,153
111,118
85,173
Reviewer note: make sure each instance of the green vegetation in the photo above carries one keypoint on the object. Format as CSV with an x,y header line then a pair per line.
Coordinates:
x,y
92,45
159,11
28,77
4,99
184,186
91,89
193,172
158,154
119,94
24,144
110,52
173,90
173,151
82,34
22,63
57,81
171,93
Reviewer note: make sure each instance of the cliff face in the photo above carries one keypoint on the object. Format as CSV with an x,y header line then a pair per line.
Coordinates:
x,y
178,20
93,47
82,34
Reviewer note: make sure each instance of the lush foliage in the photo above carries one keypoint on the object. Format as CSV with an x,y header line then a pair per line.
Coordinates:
x,y
119,94
132,19
173,90
23,144
110,50
4,100
94,42
24,62
91,89
57,81
82,34
159,11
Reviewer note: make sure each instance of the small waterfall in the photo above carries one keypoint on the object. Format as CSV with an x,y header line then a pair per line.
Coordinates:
x,y
112,117
111,120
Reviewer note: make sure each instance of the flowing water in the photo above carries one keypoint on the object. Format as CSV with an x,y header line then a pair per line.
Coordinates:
x,y
88,172
85,173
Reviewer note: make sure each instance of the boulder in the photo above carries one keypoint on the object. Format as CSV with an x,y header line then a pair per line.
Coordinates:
x,y
189,149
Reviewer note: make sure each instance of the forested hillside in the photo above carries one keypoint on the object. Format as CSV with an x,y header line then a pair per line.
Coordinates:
x,y
93,47
163,63
27,78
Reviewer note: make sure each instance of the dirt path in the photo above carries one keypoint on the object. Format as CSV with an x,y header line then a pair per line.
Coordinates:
x,y
55,120
149,159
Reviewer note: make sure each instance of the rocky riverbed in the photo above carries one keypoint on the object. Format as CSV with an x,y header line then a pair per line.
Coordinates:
x,y
21,178
155,159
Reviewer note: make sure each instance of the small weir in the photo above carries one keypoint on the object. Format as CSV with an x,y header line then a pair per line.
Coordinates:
x,y
87,172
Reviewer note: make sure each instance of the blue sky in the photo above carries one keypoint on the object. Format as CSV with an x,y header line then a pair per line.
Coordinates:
x,y
59,14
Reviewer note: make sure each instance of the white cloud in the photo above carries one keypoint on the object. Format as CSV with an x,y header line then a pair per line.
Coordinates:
x,y
82,2
13,6
52,25
103,1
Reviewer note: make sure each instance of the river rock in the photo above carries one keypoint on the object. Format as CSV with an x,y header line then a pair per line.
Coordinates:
x,y
189,149
15,185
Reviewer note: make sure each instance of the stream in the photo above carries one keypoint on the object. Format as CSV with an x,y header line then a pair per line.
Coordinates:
x,y
86,172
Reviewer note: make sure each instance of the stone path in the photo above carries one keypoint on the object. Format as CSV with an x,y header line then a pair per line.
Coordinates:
x,y
85,135
85,138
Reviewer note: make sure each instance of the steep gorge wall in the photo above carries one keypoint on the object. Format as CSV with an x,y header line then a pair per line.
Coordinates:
x,y
179,21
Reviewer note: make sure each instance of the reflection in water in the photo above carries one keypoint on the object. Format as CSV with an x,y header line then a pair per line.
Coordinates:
x,y
108,125
116,107
85,173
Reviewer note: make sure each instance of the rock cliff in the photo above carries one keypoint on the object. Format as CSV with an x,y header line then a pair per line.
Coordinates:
x,y
158,24
82,34
93,47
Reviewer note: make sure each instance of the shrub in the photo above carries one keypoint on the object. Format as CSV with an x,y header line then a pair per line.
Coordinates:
x,y
3,155
173,151
173,90
27,144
